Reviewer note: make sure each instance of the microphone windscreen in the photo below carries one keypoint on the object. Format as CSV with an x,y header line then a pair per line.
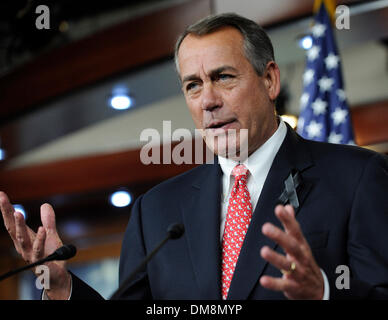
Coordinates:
x,y
176,230
65,252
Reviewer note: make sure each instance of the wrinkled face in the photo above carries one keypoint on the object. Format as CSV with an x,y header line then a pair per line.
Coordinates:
x,y
223,91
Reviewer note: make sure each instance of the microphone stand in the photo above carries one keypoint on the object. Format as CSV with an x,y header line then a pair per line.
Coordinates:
x,y
63,253
15,271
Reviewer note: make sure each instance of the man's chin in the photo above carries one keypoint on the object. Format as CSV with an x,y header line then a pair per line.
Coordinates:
x,y
232,146
230,151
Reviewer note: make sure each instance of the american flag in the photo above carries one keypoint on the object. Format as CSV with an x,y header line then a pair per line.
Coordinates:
x,y
324,112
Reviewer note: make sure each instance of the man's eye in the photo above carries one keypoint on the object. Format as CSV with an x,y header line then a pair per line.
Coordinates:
x,y
191,86
224,76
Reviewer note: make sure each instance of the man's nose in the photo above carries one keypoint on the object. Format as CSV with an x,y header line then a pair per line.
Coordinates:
x,y
210,98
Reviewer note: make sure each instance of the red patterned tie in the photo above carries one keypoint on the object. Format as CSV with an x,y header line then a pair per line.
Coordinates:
x,y
237,221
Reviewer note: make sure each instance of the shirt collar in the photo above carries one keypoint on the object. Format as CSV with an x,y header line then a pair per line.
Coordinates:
x,y
260,160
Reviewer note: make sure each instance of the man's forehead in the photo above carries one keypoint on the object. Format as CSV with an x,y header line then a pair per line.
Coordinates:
x,y
223,37
210,51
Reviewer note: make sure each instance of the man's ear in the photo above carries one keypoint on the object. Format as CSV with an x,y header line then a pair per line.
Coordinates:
x,y
272,80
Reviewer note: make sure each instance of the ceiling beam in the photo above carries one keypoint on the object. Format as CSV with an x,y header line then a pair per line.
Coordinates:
x,y
84,174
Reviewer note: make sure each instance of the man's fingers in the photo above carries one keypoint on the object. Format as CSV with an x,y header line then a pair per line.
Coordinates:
x,y
278,284
286,215
276,259
301,276
289,244
47,216
7,211
38,245
21,233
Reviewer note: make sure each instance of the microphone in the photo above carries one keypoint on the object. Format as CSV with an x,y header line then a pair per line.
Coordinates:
x,y
63,253
175,231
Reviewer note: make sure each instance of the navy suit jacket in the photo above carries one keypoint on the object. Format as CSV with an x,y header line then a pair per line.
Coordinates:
x,y
343,214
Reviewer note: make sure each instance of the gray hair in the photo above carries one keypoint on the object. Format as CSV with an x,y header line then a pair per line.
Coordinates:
x,y
258,48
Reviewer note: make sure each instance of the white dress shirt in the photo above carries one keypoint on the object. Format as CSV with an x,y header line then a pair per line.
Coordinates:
x,y
258,164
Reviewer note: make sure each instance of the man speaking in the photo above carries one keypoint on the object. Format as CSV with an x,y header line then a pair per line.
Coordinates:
x,y
240,243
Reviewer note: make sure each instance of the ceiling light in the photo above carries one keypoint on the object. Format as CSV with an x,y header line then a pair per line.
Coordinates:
x,y
121,102
305,42
120,98
121,199
20,208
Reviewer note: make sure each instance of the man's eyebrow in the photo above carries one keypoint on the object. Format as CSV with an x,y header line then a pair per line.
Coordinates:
x,y
190,77
213,72
222,69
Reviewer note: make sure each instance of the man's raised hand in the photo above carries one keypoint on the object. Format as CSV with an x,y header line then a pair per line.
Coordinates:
x,y
302,278
34,246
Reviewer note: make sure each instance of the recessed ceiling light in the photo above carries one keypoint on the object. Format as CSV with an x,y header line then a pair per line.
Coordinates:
x,y
121,199
120,98
20,208
305,42
120,102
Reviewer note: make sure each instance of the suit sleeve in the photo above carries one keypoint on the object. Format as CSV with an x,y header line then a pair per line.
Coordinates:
x,y
81,291
132,253
367,235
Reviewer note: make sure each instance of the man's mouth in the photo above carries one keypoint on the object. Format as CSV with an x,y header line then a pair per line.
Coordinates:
x,y
220,124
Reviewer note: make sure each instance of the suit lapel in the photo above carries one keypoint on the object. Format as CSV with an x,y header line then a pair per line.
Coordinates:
x,y
292,155
201,216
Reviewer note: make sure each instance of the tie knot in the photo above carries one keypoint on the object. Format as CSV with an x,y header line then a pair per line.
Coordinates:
x,y
239,171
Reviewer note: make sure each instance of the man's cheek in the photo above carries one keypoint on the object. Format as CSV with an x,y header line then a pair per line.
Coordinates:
x,y
197,118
